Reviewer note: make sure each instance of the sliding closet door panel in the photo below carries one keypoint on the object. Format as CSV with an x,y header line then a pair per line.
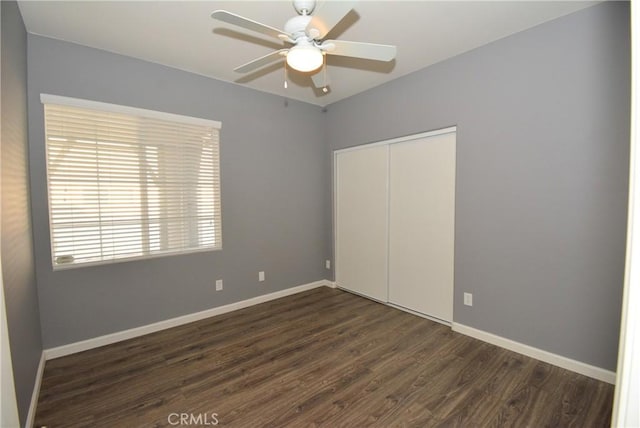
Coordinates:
x,y
421,227
362,221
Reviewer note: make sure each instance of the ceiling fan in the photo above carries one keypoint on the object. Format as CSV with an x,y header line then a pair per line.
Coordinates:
x,y
307,32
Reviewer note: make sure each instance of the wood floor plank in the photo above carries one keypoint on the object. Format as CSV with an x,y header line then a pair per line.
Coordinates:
x,y
322,358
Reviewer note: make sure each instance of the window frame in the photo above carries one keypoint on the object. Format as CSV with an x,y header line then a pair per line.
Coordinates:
x,y
138,112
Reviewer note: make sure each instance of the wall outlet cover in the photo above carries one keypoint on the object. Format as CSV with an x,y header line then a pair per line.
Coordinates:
x,y
468,299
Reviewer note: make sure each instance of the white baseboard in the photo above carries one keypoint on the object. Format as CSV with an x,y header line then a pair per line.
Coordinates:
x,y
330,284
31,416
119,336
539,354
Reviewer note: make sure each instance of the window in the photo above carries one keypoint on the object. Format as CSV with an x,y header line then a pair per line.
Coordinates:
x,y
129,183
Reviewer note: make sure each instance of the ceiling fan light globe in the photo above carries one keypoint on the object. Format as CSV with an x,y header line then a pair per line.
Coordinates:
x,y
304,58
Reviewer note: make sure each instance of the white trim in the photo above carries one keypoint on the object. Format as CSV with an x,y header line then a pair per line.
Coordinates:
x,y
539,354
330,284
31,416
57,267
433,133
627,393
119,336
9,415
387,225
134,111
334,217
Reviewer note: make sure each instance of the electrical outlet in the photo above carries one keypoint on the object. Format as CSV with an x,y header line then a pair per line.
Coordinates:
x,y
468,299
261,276
327,264
218,285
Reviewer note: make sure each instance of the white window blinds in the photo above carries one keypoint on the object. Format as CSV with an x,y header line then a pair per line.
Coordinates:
x,y
129,183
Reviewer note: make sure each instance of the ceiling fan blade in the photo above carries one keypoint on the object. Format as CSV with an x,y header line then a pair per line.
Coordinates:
x,y
249,24
321,79
359,50
261,62
327,15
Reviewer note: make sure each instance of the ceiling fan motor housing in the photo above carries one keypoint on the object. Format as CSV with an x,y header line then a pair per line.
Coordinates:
x,y
297,25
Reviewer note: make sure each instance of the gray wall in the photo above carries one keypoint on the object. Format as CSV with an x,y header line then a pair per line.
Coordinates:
x,y
18,271
542,170
274,173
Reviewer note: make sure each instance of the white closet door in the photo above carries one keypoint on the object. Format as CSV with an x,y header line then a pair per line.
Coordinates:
x,y
421,226
362,221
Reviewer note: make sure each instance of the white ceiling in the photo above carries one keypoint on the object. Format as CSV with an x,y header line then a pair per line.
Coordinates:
x,y
181,34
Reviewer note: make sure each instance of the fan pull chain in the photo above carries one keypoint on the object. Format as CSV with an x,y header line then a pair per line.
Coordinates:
x,y
324,70
286,85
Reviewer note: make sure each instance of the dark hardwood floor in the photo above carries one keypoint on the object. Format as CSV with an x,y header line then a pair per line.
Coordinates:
x,y
320,358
